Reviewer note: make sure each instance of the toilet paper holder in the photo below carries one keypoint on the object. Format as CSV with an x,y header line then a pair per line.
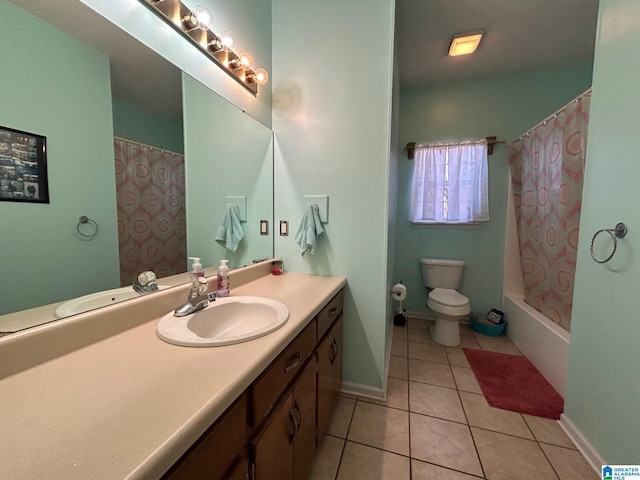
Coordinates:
x,y
399,292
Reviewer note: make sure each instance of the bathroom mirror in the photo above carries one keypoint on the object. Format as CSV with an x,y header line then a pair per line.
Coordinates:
x,y
62,86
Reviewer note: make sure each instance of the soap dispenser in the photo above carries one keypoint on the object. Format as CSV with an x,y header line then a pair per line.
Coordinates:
x,y
196,268
223,279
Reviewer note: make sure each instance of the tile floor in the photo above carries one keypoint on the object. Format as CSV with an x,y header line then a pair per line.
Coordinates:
x,y
436,424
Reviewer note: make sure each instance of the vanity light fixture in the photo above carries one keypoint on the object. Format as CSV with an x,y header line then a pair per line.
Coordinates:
x,y
195,26
465,43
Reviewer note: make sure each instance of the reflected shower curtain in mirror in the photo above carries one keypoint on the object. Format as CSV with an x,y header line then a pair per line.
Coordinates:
x,y
547,168
151,210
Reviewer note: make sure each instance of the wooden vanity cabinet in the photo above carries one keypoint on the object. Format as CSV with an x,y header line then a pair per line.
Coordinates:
x,y
329,357
265,392
271,431
285,446
239,471
329,314
220,451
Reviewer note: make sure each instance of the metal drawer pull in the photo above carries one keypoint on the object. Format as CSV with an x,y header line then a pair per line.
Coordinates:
x,y
333,351
332,354
295,425
297,405
297,357
333,312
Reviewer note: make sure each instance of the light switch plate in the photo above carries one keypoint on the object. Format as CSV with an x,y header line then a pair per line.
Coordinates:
x,y
284,228
264,227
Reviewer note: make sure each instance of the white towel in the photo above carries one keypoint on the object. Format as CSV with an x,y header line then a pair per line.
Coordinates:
x,y
310,229
230,231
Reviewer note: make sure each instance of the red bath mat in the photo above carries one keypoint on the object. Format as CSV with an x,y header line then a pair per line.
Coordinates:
x,y
511,382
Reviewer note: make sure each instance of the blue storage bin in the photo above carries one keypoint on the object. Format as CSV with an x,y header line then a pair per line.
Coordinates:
x,y
485,327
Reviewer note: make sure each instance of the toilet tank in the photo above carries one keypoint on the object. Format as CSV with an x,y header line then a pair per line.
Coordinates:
x,y
441,273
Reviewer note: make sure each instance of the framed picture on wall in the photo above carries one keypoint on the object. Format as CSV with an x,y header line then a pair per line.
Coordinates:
x,y
23,167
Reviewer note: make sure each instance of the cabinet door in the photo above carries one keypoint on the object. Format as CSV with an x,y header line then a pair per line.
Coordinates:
x,y
239,471
217,449
273,447
304,404
329,354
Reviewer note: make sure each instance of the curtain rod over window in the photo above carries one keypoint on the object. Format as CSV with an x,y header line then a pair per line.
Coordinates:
x,y
490,141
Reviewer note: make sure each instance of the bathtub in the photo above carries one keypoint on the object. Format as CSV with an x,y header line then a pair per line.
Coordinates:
x,y
542,341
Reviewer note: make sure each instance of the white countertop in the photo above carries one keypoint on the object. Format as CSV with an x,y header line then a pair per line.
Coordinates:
x,y
129,405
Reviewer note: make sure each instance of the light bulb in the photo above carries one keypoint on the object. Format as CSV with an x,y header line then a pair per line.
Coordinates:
x,y
245,60
260,76
203,16
200,17
227,40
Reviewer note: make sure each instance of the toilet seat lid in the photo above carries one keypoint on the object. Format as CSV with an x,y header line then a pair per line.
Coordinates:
x,y
447,296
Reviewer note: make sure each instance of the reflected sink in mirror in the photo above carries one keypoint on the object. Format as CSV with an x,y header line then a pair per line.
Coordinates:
x,y
97,300
225,321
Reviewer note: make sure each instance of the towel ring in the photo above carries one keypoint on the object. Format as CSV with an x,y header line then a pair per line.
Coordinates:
x,y
619,232
84,220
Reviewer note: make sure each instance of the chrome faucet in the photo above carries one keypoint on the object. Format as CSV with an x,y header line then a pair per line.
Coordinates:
x,y
197,298
146,283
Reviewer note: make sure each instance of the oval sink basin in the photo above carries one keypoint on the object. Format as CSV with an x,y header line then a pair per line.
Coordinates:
x,y
225,321
97,300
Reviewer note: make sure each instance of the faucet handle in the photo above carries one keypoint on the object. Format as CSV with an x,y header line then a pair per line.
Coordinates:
x,y
199,285
146,277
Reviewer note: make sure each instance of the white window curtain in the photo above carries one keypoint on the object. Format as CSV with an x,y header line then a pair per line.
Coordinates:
x,y
450,184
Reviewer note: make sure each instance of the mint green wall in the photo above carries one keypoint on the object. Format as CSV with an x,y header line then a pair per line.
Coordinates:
x,y
241,164
504,106
135,123
603,386
393,196
332,81
63,92
248,20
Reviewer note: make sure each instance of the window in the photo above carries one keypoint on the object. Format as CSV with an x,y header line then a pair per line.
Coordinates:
x,y
450,184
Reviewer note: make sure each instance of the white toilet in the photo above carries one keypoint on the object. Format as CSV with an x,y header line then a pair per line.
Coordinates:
x,y
444,277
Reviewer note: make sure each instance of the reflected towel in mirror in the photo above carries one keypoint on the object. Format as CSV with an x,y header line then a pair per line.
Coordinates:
x,y
310,228
230,231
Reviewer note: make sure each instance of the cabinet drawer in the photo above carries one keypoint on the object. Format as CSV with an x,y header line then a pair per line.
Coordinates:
x,y
266,390
217,449
329,313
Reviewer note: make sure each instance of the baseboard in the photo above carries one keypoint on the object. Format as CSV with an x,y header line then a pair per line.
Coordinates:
x,y
360,390
587,450
421,315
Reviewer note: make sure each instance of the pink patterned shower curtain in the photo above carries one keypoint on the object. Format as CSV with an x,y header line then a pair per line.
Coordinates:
x,y
547,168
151,210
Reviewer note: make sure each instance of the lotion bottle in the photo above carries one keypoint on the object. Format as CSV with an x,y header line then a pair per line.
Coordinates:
x,y
223,279
196,268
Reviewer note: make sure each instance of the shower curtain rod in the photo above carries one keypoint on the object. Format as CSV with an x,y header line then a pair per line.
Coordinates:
x,y
550,117
489,141
147,146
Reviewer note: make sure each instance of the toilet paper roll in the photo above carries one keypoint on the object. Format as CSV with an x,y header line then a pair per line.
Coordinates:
x,y
399,292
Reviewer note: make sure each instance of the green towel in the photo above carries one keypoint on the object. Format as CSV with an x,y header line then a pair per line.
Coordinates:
x,y
230,231
309,230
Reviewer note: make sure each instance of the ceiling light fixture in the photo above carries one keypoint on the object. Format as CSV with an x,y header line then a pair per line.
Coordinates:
x,y
465,43
195,26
